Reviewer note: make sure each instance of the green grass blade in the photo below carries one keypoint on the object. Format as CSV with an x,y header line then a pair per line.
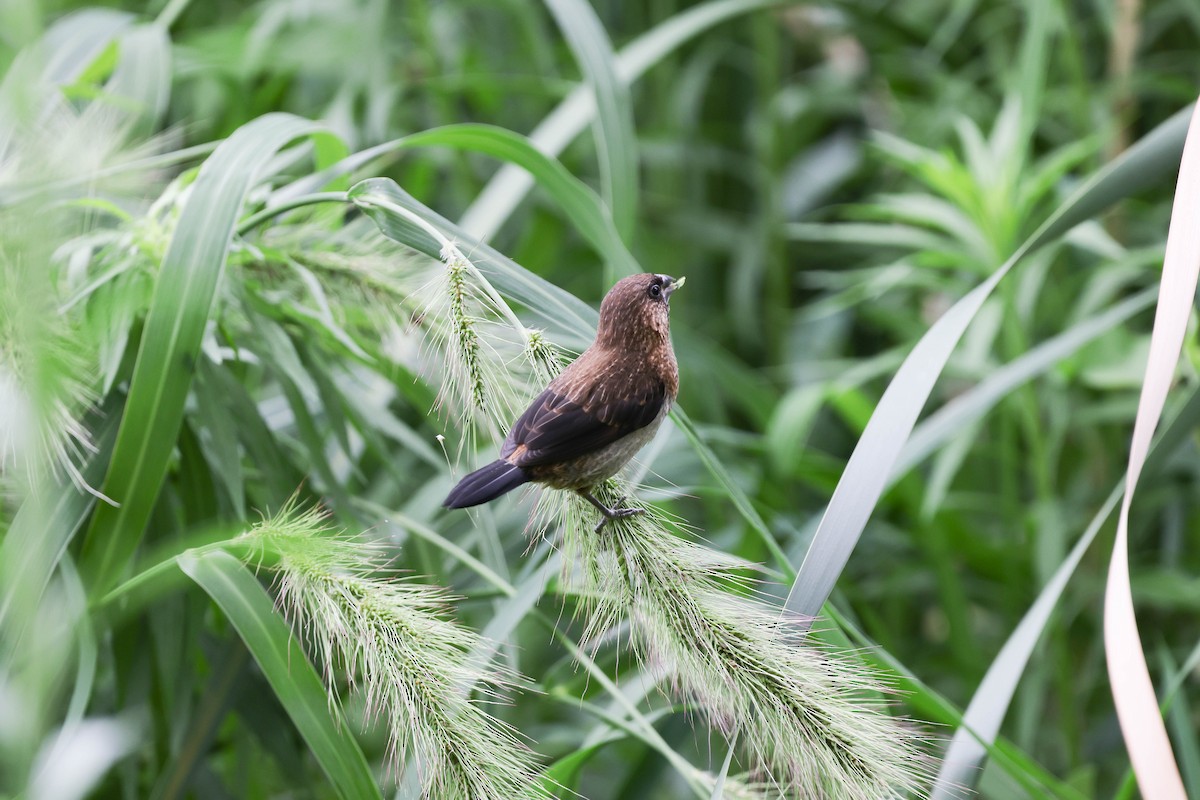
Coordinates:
x,y
217,698
506,189
559,312
221,446
562,773
718,792
872,234
1031,71
581,205
295,682
141,80
1183,731
616,138
955,417
184,296
875,456
87,647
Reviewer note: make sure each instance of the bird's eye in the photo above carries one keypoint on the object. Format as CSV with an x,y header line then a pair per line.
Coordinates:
x,y
655,290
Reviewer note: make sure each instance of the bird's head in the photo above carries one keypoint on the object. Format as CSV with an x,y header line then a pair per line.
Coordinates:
x,y
636,309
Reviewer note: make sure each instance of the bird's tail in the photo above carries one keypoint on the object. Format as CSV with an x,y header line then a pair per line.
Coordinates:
x,y
486,483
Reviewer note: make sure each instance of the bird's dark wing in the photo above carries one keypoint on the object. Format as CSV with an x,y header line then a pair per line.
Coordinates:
x,y
556,428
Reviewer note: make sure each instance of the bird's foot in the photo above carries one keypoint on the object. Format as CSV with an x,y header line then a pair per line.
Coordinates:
x,y
616,512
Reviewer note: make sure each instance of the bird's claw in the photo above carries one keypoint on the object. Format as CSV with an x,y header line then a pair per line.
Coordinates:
x,y
617,513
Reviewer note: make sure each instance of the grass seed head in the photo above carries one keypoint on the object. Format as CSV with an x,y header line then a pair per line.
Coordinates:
x,y
810,717
393,640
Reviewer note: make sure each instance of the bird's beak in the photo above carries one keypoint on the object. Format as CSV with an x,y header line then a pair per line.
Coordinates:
x,y
670,285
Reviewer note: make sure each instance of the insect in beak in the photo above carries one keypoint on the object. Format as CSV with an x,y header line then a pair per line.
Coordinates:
x,y
670,285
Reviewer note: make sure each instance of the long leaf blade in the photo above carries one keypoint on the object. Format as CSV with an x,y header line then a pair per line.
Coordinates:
x,y
184,297
616,139
581,205
296,683
1133,692
981,721
875,456
504,191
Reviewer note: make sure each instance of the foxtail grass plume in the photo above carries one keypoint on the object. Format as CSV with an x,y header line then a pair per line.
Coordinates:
x,y
806,714
394,641
477,340
45,387
55,150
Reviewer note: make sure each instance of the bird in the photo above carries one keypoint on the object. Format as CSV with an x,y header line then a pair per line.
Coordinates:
x,y
599,412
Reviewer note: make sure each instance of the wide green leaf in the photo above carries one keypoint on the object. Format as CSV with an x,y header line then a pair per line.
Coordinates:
x,y
581,205
287,668
616,140
184,297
